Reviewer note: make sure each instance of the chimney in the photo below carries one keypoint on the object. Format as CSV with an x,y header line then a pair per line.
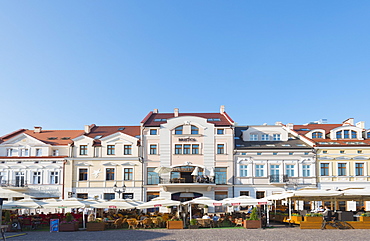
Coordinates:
x,y
290,126
37,129
222,109
176,112
155,111
278,123
360,124
87,129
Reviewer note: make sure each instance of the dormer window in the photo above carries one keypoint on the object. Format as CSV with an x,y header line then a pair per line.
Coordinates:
x,y
194,130
9,152
368,135
353,134
317,135
253,137
276,137
178,130
339,134
265,137
347,134
24,152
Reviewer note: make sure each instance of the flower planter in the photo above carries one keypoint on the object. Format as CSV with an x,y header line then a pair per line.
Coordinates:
x,y
175,225
364,219
95,226
313,219
295,219
252,224
68,227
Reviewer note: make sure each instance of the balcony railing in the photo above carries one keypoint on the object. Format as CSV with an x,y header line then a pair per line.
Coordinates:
x,y
183,180
278,178
14,183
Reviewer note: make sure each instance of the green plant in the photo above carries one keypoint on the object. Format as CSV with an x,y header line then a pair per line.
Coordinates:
x,y
69,217
193,222
254,214
365,214
7,217
296,214
205,206
313,214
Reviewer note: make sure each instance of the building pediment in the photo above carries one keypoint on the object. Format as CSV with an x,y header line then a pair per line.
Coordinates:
x,y
120,138
23,140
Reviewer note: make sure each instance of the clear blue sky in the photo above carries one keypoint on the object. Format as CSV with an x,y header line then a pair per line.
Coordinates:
x,y
64,64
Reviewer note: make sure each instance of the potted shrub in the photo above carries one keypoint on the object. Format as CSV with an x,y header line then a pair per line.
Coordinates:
x,y
193,224
7,220
175,223
253,221
95,225
313,217
69,224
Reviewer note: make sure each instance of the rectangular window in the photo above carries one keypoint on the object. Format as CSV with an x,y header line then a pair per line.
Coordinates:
x,y
9,152
276,137
178,149
353,134
128,174
82,174
325,152
289,170
153,150
178,130
111,150
306,153
260,170
290,153
24,152
306,170
36,178
253,137
346,134
259,153
82,195
260,194
359,168
153,132
38,152
274,153
195,149
128,196
109,196
127,149
342,152
187,148
220,149
243,170
220,175
265,137
83,150
342,169
55,152
359,151
109,174
54,177
220,131
194,130
324,169
244,193
153,177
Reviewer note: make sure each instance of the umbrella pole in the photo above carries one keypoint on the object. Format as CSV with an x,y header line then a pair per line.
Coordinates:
x,y
267,215
83,219
189,205
290,208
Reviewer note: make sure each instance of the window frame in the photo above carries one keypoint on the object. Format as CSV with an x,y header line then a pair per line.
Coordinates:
x,y
111,150
109,176
361,168
127,149
179,130
324,169
83,150
80,174
342,169
194,130
153,149
221,149
153,132
128,174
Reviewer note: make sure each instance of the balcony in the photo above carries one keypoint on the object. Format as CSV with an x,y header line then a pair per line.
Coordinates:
x,y
278,179
16,185
179,183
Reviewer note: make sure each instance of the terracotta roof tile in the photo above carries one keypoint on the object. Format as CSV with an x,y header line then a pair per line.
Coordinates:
x,y
104,131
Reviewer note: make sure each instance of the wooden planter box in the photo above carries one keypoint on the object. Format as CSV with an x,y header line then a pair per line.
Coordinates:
x,y
364,219
95,226
68,227
175,225
295,219
252,224
313,219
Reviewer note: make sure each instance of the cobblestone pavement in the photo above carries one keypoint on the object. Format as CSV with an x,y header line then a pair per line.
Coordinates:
x,y
275,234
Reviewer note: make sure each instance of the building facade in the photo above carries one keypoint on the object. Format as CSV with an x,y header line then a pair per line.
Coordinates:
x,y
192,145
32,163
270,159
104,157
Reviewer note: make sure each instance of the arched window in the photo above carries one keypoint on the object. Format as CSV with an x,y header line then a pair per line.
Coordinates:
x,y
194,130
339,134
353,134
178,130
346,134
317,135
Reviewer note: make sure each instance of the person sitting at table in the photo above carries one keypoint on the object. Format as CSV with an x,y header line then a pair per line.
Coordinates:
x,y
206,179
320,209
215,218
205,216
198,179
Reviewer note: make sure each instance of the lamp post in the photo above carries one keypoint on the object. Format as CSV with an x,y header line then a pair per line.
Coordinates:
x,y
119,190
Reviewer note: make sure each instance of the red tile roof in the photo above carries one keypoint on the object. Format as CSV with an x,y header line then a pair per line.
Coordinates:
x,y
51,137
301,129
225,120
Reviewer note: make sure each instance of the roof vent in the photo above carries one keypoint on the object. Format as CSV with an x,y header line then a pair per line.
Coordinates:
x,y
155,111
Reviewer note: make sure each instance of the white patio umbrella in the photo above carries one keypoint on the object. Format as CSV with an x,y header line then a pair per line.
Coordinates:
x,y
212,172
27,203
204,201
66,203
118,204
163,170
195,172
158,202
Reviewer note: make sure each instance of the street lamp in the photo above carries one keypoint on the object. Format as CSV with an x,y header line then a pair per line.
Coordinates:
x,y
119,190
